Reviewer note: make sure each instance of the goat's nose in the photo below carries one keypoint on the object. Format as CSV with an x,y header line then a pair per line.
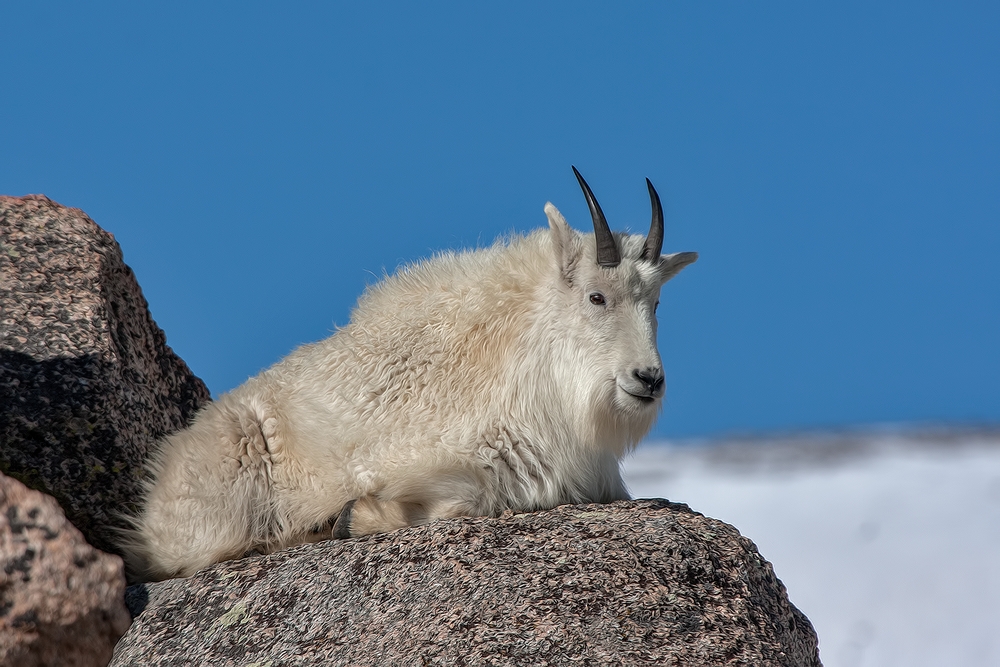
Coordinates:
x,y
651,377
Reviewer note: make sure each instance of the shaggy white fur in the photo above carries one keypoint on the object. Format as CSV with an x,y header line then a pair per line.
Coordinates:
x,y
511,377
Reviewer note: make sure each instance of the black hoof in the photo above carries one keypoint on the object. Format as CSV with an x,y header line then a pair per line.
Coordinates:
x,y
342,527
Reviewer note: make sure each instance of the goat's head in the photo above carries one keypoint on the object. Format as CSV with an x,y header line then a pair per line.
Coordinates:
x,y
610,285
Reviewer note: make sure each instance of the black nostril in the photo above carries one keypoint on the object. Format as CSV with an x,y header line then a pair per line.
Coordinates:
x,y
651,377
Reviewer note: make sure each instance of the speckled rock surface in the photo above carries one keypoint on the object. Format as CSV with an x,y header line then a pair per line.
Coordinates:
x,y
61,600
87,382
632,583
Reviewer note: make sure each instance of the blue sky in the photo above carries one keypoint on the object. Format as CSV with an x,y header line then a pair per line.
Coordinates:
x,y
837,167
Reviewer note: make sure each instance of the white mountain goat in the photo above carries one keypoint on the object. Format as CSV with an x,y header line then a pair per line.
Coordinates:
x,y
510,377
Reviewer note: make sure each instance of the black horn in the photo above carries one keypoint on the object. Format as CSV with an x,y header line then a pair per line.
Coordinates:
x,y
607,249
654,241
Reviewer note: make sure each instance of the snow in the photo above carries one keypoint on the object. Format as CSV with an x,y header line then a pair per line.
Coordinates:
x,y
889,543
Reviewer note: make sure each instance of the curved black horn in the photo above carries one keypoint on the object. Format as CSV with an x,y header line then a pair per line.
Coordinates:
x,y
607,249
654,241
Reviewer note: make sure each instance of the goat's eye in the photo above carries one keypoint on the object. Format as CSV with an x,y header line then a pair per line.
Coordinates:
x,y
655,306
598,299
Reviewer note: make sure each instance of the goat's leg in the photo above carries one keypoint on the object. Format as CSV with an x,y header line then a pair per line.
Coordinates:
x,y
368,515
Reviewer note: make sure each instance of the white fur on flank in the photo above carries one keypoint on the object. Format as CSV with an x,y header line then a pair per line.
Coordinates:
x,y
464,385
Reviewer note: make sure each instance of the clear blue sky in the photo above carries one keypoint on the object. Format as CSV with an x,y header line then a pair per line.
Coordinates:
x,y
836,165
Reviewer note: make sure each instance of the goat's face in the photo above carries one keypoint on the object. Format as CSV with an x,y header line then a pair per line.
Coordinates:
x,y
611,287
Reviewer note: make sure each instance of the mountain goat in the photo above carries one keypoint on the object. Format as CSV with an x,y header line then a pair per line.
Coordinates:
x,y
510,377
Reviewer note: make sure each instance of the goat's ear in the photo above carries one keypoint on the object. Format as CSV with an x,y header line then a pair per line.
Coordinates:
x,y
564,242
671,265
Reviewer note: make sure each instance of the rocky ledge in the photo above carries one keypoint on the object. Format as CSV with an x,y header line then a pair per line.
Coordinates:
x,y
638,582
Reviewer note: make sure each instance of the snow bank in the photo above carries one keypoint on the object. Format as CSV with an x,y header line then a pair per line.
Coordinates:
x,y
889,543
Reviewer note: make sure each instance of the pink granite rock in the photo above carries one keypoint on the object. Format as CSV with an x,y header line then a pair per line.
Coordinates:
x,y
61,600
87,382
643,582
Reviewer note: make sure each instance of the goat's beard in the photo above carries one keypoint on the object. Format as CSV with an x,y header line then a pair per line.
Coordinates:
x,y
620,420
